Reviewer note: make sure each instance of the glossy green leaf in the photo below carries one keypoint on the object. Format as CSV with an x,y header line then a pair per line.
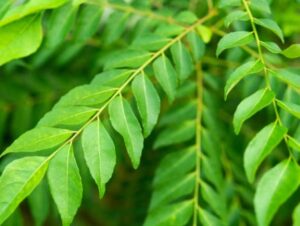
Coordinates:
x,y
166,76
251,105
150,42
112,78
86,95
274,188
288,77
235,16
30,7
271,46
127,58
65,183
67,116
241,72
208,219
261,146
175,214
234,39
99,153
296,216
293,143
39,139
125,122
293,51
176,134
18,180
197,45
271,25
20,38
183,60
292,108
148,102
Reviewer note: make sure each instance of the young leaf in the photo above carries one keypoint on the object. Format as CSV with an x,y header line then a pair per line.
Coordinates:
x,y
39,139
18,180
166,76
293,51
271,46
99,153
251,105
288,77
261,146
174,214
125,122
292,108
271,25
20,38
183,61
65,183
241,72
274,188
204,32
234,39
148,102
235,16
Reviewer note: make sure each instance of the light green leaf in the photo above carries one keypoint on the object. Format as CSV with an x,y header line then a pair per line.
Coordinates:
x,y
175,134
226,3
274,188
150,42
241,72
31,7
293,51
234,39
127,58
183,61
292,108
208,219
288,77
204,32
293,143
65,183
186,17
197,45
251,105
271,46
296,216
260,6
175,214
166,76
18,180
86,95
271,25
67,116
261,146
20,38
39,139
148,102
112,78
99,153
125,122
235,16
169,30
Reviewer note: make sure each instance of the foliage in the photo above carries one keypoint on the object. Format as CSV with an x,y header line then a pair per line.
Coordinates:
x,y
92,89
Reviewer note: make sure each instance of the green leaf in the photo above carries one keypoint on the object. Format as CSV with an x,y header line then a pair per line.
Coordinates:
x,y
271,25
39,139
86,95
293,143
288,77
150,42
183,61
208,219
274,188
292,108
169,30
20,38
148,102
261,146
127,58
241,72
197,45
204,32
67,116
271,46
112,78
226,3
99,153
31,7
251,105
260,6
175,214
296,216
175,134
235,16
293,51
65,183
125,122
186,17
166,76
234,39
18,180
